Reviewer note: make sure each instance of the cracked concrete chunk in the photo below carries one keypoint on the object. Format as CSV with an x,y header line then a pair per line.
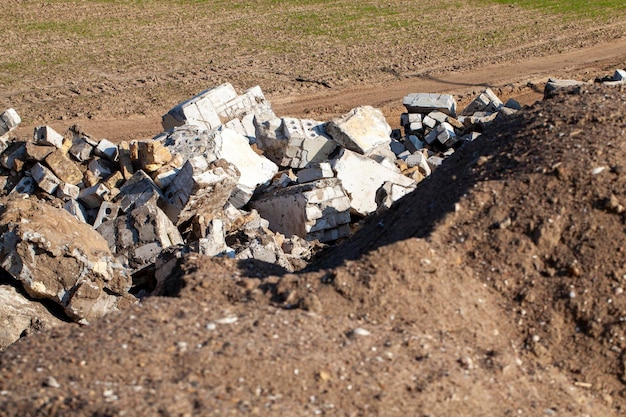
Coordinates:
x,y
361,177
427,102
360,130
53,255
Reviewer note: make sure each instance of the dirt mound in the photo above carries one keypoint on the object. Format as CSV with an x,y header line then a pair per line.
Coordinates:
x,y
494,289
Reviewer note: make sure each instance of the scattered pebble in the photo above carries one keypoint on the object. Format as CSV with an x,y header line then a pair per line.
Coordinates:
x,y
359,332
52,382
597,170
227,320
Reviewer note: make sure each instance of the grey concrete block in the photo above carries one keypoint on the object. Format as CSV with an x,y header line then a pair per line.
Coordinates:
x,y
9,120
107,149
45,135
426,102
360,130
44,178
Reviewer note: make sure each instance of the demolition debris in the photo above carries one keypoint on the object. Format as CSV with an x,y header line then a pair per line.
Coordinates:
x,y
83,218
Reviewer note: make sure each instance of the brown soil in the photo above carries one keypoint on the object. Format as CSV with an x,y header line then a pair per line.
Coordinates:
x,y
494,289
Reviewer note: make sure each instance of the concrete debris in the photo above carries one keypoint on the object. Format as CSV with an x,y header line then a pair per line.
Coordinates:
x,y
57,257
9,120
361,178
316,210
293,143
361,130
425,103
553,86
199,186
20,316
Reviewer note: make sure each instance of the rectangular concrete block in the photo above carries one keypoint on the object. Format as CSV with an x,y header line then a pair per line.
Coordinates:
x,y
126,165
44,178
76,209
315,172
14,152
107,149
45,135
426,102
38,153
80,149
9,120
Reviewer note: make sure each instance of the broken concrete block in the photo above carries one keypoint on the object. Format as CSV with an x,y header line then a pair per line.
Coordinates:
x,y
361,178
93,196
76,209
80,149
9,120
389,193
16,151
418,159
63,167
26,185
414,143
512,104
107,149
197,111
619,75
199,192
152,155
294,143
443,134
139,190
487,101
438,116
397,147
214,243
552,86
434,161
108,211
44,178
36,152
252,101
114,182
54,255
47,136
360,130
126,165
429,122
67,191
139,236
20,316
426,102
100,168
306,208
315,172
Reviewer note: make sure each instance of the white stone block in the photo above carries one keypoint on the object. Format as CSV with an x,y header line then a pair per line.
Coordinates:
x,y
360,130
45,135
107,149
619,75
68,191
44,178
93,196
9,120
361,178
198,111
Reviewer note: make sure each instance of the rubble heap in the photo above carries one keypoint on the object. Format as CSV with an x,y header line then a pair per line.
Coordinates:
x,y
82,217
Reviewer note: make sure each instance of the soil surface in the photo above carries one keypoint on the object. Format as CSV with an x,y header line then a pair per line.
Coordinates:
x,y
496,288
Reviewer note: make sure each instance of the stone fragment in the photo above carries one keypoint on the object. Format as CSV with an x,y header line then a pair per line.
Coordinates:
x,y
619,75
252,101
20,316
67,191
36,152
418,159
74,208
214,241
443,134
26,185
360,130
93,196
361,178
126,166
139,236
552,86
315,172
47,136
63,167
426,102
138,190
512,104
14,152
9,120
57,257
198,111
100,168
152,155
107,149
389,193
44,178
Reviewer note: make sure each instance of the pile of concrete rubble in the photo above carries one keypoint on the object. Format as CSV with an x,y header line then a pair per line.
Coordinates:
x,y
81,218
